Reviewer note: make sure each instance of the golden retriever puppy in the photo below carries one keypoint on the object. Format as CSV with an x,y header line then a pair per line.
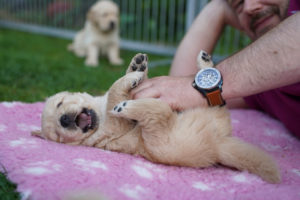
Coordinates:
x,y
197,138
100,35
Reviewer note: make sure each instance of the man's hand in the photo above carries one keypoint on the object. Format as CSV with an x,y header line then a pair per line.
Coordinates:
x,y
176,91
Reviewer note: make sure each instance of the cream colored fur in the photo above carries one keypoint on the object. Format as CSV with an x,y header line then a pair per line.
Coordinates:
x,y
100,35
197,138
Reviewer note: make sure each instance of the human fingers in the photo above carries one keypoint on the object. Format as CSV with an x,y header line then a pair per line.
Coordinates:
x,y
142,86
148,92
150,88
147,89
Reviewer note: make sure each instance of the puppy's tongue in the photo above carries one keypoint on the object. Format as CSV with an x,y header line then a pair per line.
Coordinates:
x,y
84,120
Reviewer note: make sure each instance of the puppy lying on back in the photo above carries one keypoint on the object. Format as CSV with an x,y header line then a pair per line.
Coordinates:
x,y
197,138
100,35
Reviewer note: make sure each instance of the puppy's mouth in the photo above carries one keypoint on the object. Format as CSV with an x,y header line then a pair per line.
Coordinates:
x,y
86,120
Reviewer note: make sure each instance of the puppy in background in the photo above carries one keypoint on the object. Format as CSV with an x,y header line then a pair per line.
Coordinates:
x,y
100,35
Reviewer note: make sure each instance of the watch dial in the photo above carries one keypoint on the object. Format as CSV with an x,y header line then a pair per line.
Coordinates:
x,y
208,78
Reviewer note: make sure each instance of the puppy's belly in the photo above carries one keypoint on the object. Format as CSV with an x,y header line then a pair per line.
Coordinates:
x,y
192,140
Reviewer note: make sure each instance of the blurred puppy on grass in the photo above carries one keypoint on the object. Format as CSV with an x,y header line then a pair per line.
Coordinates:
x,y
100,35
199,137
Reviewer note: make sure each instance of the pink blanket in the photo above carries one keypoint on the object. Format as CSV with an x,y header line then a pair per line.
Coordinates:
x,y
47,170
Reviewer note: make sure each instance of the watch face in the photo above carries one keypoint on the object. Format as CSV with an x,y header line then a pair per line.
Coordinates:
x,y
208,78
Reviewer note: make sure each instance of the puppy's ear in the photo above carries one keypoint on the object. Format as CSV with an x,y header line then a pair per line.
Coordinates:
x,y
91,16
37,133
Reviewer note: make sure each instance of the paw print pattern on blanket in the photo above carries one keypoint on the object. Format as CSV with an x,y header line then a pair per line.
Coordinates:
x,y
296,171
24,143
2,127
47,170
42,168
142,172
148,170
202,186
134,191
26,127
9,104
89,165
240,178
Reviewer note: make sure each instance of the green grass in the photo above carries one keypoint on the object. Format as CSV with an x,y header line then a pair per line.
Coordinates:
x,y
7,189
33,67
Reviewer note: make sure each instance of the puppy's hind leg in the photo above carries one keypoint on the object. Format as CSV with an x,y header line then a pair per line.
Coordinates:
x,y
156,119
92,56
153,115
243,156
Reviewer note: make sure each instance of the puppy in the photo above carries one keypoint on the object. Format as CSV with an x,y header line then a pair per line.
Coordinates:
x,y
197,138
100,35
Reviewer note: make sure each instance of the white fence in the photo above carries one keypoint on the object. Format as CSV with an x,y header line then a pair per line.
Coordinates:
x,y
154,26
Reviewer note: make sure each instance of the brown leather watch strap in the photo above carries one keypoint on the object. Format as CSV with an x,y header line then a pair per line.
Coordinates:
x,y
214,98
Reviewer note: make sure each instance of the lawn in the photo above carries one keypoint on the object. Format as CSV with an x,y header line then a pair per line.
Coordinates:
x,y
33,67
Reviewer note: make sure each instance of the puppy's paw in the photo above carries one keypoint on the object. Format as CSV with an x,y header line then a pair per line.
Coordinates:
x,y
91,63
132,80
121,108
138,63
79,53
118,61
137,79
204,60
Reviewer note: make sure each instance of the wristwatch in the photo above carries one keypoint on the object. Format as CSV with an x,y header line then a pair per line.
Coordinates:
x,y
208,82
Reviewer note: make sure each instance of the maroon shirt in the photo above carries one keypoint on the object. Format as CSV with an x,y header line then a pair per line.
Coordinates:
x,y
281,103
294,6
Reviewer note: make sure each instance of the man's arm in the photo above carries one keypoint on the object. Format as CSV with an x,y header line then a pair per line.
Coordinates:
x,y
203,35
271,61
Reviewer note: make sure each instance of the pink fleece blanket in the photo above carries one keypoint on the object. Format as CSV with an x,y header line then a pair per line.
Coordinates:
x,y
47,170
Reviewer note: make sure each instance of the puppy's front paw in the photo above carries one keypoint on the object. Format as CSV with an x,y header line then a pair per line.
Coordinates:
x,y
138,63
138,79
91,63
204,60
132,80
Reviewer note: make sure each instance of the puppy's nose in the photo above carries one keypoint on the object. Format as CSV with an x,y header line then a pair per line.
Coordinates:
x,y
112,25
65,121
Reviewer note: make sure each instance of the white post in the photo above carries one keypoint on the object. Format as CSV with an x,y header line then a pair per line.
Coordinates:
x,y
190,13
